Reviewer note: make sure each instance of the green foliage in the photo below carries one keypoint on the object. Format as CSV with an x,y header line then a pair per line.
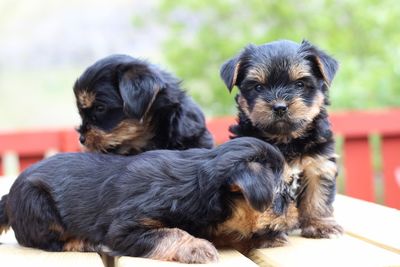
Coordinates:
x,y
362,34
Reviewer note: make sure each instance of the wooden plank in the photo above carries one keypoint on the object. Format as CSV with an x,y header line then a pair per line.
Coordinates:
x,y
9,244
27,160
219,127
69,141
391,170
17,256
228,258
371,222
358,168
362,123
12,254
341,251
29,142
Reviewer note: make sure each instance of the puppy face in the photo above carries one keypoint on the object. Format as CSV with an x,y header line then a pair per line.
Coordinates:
x,y
114,97
283,85
256,172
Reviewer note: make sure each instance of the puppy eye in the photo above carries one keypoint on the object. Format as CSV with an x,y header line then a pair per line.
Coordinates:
x,y
258,88
299,84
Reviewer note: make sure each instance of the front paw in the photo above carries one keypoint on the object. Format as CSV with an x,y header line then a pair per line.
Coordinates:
x,y
321,228
197,251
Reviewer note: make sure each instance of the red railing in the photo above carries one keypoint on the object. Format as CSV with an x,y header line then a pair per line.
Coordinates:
x,y
355,128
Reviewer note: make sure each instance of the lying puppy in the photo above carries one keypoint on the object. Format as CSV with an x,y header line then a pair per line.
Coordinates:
x,y
282,100
129,106
158,204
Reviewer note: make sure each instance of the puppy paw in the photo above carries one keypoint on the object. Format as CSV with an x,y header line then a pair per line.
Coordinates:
x,y
197,251
321,229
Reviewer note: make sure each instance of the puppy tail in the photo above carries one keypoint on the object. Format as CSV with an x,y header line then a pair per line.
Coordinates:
x,y
4,221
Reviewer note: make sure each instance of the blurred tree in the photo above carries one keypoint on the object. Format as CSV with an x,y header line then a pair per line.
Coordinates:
x,y
362,34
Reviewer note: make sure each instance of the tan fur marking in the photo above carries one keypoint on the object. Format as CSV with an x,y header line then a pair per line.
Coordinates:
x,y
314,198
151,223
257,74
4,229
262,112
299,110
74,245
243,105
129,134
86,99
315,215
245,221
298,71
235,188
178,245
235,74
322,69
56,228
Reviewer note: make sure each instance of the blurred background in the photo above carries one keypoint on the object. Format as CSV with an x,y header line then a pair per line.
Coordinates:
x,y
46,44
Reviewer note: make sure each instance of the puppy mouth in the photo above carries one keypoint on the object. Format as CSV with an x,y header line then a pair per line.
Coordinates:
x,y
281,126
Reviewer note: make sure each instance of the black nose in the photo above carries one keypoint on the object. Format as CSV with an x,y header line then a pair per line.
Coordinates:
x,y
280,108
82,139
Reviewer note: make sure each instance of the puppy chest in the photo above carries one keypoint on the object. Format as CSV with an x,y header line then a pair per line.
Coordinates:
x,y
314,167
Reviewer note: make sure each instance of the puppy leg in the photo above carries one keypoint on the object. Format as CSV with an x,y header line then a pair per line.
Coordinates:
x,y
35,220
178,245
315,203
167,244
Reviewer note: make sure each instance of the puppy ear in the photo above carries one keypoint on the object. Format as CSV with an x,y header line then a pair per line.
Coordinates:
x,y
325,64
138,91
257,186
229,72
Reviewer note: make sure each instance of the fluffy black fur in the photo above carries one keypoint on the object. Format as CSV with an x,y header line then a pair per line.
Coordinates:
x,y
283,94
128,106
127,203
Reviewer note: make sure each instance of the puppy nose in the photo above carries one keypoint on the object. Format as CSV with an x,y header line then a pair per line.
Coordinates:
x,y
280,108
82,139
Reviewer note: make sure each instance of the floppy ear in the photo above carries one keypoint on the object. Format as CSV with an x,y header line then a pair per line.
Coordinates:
x,y
325,64
229,72
138,92
257,186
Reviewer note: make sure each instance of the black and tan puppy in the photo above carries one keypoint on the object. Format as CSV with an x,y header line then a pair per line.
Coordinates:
x,y
129,106
158,204
283,94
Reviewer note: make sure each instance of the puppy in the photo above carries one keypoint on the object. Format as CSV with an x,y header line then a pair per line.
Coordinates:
x,y
129,106
160,204
283,94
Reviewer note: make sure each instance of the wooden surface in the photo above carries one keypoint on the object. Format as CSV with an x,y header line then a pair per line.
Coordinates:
x,y
227,258
14,255
370,222
11,254
341,251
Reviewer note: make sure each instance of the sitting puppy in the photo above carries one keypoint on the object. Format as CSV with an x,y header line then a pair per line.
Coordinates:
x,y
158,204
128,106
282,100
